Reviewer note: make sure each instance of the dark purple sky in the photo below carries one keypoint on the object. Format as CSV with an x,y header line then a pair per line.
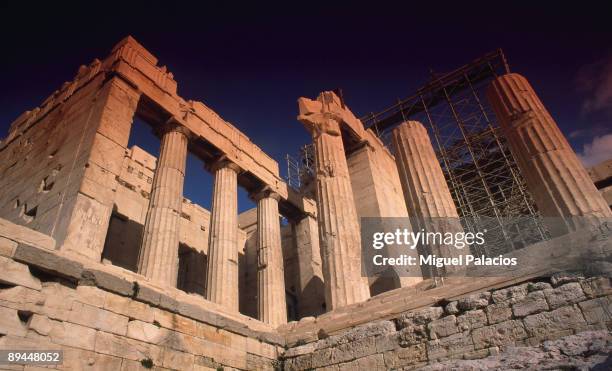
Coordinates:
x,y
251,63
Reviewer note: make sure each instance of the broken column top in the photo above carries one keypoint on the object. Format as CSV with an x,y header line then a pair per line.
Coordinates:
x,y
329,106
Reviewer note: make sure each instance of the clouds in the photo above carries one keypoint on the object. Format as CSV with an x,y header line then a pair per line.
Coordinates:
x,y
594,81
600,149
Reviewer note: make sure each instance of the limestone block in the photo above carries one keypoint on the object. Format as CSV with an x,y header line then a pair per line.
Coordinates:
x,y
443,327
19,297
177,360
596,286
411,335
534,302
25,235
78,359
123,347
569,293
372,362
7,247
597,311
536,286
10,324
450,346
303,362
546,323
419,317
474,301
48,261
128,307
98,318
405,356
90,295
452,307
509,295
106,281
471,320
498,313
72,335
504,333
13,273
561,278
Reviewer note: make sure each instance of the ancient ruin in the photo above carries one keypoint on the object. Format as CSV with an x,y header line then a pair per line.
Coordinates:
x,y
103,257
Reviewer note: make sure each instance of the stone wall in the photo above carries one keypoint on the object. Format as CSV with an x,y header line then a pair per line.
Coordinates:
x,y
105,320
473,327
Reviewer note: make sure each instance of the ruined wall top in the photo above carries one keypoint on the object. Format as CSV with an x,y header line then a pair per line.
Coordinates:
x,y
131,62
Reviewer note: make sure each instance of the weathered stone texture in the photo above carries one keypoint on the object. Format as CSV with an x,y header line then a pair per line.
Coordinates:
x,y
158,258
560,185
338,224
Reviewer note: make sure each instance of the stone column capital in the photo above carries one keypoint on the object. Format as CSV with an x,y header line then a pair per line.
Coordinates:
x,y
322,123
172,124
221,163
265,192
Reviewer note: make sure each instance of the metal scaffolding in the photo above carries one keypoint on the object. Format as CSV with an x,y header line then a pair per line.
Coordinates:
x,y
482,175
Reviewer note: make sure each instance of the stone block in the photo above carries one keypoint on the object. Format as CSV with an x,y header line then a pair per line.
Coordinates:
x,y
452,307
24,235
146,294
405,356
78,359
443,327
534,302
596,286
353,350
7,247
128,307
106,281
450,346
471,320
303,362
72,335
372,362
498,313
17,274
597,311
503,333
567,294
48,261
561,278
564,318
509,295
10,323
411,335
419,317
474,301
123,347
537,286
98,318
90,295
177,360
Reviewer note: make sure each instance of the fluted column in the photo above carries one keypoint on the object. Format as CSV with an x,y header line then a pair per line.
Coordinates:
x,y
222,272
158,259
555,176
338,223
271,301
426,192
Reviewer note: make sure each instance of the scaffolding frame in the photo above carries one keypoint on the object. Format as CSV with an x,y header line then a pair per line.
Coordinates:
x,y
481,172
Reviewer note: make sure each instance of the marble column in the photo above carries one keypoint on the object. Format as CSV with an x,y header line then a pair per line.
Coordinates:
x,y
158,259
222,272
428,199
271,305
559,183
338,223
311,291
